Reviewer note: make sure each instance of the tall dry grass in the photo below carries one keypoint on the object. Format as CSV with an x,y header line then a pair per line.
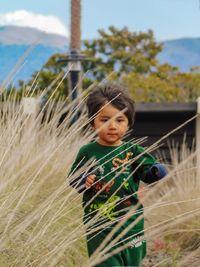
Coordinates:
x,y
41,216
173,213
37,214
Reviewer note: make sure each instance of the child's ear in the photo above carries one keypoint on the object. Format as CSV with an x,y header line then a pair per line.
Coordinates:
x,y
92,125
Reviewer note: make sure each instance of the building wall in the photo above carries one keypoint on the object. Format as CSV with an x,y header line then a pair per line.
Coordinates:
x,y
156,120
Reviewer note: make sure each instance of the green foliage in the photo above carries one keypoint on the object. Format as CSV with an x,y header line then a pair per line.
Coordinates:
x,y
131,59
121,51
167,84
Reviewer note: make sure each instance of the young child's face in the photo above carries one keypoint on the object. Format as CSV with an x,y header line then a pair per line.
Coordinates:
x,y
111,125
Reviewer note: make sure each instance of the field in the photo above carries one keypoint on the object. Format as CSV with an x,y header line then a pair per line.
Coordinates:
x,y
41,215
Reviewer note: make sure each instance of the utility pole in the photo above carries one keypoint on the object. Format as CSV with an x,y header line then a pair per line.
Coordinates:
x,y
75,38
75,25
74,58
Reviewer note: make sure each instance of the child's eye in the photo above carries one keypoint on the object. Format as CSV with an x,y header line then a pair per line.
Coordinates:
x,y
104,120
120,120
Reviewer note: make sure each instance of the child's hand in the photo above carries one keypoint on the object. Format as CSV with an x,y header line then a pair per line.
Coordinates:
x,y
157,173
90,180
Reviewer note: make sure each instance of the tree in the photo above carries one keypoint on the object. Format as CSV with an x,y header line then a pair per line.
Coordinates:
x,y
121,51
132,57
167,84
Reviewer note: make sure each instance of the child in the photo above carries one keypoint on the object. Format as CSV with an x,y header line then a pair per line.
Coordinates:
x,y
110,188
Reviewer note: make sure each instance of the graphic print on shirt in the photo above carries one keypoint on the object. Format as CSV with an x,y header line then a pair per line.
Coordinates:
x,y
117,162
120,165
100,185
123,166
107,209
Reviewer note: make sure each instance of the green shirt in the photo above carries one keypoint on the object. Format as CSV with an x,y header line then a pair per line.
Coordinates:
x,y
119,170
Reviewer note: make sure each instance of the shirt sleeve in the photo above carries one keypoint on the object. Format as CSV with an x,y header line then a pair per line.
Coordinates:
x,y
155,173
78,182
147,168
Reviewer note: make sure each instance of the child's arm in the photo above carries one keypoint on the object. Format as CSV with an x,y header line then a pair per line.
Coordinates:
x,y
150,170
83,181
78,183
154,173
87,178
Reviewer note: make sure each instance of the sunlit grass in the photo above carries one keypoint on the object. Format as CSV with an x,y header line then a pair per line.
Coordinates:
x,y
41,216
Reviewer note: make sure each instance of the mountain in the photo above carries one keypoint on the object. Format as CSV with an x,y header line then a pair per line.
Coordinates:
x,y
184,53
15,41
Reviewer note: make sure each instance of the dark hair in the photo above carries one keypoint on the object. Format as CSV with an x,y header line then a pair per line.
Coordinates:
x,y
116,95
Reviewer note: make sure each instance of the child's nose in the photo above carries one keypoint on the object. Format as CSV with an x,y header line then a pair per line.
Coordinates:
x,y
112,124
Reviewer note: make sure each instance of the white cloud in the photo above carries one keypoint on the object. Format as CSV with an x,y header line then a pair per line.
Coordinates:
x,y
48,23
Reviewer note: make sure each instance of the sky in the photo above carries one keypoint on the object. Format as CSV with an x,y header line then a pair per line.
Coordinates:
x,y
169,19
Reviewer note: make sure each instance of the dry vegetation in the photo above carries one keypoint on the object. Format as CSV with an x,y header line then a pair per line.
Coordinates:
x,y
41,216
173,213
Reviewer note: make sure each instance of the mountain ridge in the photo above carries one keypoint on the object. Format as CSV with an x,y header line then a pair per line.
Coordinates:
x,y
181,52
27,36
15,41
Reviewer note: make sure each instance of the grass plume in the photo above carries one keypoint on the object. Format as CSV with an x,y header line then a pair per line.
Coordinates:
x,y
41,216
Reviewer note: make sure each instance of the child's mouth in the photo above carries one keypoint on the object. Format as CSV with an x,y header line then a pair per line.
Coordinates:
x,y
112,134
